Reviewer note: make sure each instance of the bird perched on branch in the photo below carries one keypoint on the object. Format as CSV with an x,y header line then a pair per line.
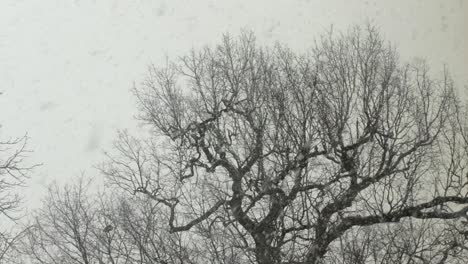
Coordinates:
x,y
108,228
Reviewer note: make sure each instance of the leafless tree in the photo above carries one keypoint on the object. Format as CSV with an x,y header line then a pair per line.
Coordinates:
x,y
61,231
13,174
143,223
289,154
76,225
421,241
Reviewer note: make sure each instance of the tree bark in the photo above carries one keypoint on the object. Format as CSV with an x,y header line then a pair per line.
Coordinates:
x,y
264,252
316,254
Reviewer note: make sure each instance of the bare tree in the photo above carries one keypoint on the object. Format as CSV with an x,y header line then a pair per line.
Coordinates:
x,y
13,174
143,224
76,225
62,231
420,241
290,153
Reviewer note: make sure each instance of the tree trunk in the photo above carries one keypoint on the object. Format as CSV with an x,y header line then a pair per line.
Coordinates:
x,y
264,252
316,254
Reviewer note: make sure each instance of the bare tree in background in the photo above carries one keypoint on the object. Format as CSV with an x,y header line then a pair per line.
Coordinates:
x,y
78,226
13,173
143,224
421,241
290,154
62,231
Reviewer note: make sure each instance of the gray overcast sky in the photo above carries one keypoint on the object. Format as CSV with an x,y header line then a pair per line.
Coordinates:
x,y
66,67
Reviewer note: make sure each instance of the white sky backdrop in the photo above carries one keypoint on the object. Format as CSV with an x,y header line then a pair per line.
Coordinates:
x,y
67,67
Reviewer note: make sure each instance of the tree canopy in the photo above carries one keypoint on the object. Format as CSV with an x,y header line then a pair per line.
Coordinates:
x,y
279,156
342,154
